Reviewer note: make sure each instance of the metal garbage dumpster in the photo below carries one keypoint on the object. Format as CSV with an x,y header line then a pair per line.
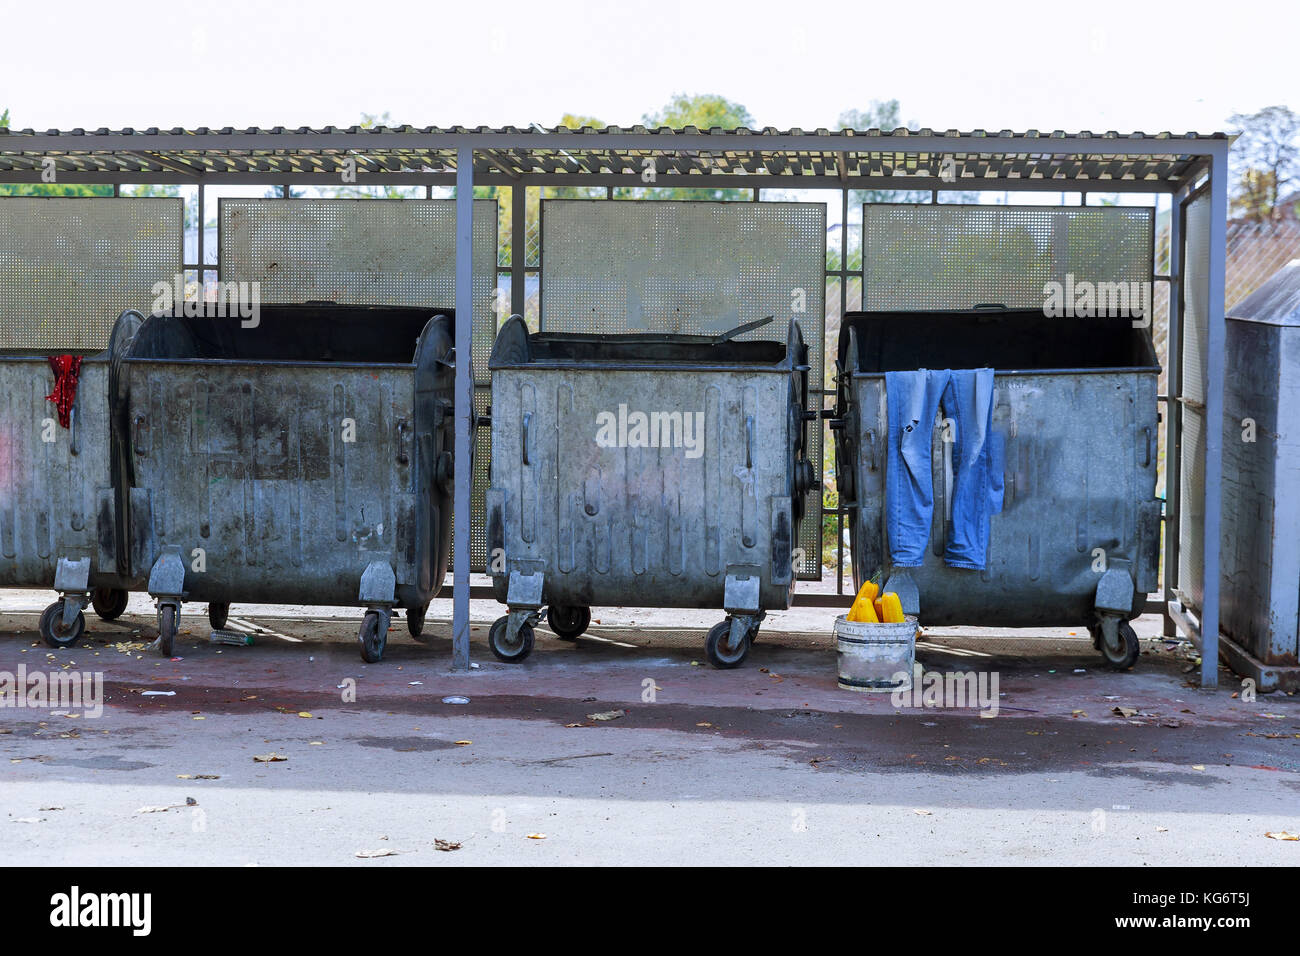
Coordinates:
x,y
655,470
304,460
1259,577
60,513
1077,541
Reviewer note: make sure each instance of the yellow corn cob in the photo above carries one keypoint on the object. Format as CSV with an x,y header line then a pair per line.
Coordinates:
x,y
891,609
862,611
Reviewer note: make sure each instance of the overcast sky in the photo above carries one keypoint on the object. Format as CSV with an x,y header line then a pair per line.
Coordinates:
x,y
1048,65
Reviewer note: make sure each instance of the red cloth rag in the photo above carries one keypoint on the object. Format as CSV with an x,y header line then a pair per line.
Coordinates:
x,y
66,369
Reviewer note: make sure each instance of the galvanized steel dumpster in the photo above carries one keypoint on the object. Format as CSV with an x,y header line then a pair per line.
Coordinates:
x,y
305,460
656,470
1077,541
1260,571
60,511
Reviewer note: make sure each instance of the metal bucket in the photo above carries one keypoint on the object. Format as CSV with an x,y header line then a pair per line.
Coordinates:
x,y
875,657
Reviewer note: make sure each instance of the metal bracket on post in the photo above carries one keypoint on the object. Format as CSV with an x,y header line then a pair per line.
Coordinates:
x,y
167,576
909,595
740,599
72,581
1115,590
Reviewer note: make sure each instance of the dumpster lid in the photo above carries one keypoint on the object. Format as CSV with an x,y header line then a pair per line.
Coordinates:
x,y
516,346
1276,302
308,332
1004,340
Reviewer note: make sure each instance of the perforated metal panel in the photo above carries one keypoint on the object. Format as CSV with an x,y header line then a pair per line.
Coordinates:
x,y
371,252
1195,343
69,266
693,268
918,257
363,251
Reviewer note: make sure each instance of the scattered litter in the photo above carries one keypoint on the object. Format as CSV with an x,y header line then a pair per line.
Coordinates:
x,y
170,806
305,714
537,836
270,758
463,743
455,700
1272,716
1078,713
1080,670
159,693
575,725
316,743
1124,711
49,809
446,845
1198,766
198,776
415,683
607,715
1162,829
704,723
373,854
28,820
923,813
1282,835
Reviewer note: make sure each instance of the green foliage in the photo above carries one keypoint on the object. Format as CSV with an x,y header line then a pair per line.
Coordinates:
x,y
701,110
576,121
4,119
1265,160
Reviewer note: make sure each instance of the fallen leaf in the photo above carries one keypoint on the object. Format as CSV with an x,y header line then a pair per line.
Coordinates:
x,y
704,723
1078,713
372,854
1123,711
537,836
270,758
446,845
575,725
607,715
923,813
1282,835
304,713
463,743
1198,766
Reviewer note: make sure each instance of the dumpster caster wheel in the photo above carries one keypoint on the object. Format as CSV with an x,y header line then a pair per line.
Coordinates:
x,y
504,650
715,646
415,623
568,623
218,613
52,630
109,603
1126,654
167,628
373,637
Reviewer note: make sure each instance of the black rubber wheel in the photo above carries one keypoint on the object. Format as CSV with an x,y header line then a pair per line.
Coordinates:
x,y
167,627
218,614
568,623
415,622
109,603
511,653
1125,656
715,647
52,629
373,637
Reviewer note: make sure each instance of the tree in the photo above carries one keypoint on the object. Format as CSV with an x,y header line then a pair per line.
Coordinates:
x,y
4,119
701,110
578,121
1266,160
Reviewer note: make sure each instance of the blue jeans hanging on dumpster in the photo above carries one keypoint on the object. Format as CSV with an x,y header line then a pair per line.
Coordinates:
x,y
966,397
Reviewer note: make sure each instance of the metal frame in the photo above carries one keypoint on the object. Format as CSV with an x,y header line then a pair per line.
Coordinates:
x,y
843,160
